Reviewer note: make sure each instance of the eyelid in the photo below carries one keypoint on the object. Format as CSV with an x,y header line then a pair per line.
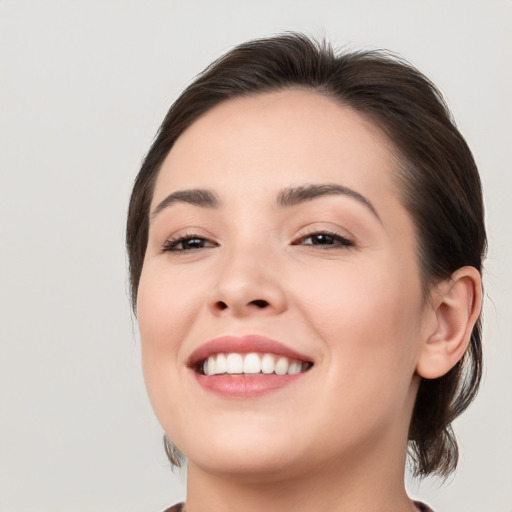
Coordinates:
x,y
170,243
342,240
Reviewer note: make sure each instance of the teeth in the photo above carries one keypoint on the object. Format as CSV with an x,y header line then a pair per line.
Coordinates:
x,y
251,364
267,363
282,366
295,367
210,365
221,365
235,363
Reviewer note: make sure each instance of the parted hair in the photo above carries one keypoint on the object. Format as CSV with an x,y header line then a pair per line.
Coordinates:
x,y
437,176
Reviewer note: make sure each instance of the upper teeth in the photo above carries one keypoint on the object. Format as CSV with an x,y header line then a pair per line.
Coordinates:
x,y
252,363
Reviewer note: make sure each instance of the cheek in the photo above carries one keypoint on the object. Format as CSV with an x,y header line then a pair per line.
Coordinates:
x,y
369,319
166,309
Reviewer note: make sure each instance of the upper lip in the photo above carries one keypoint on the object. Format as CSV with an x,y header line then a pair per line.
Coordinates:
x,y
243,345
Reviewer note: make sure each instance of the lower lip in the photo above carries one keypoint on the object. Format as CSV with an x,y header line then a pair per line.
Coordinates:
x,y
245,387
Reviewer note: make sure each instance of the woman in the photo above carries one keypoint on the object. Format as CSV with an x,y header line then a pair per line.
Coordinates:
x,y
306,240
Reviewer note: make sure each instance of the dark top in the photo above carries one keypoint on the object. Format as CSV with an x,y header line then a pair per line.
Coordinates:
x,y
180,507
421,507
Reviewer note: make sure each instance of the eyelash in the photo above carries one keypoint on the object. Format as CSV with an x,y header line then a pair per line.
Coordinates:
x,y
336,241
172,244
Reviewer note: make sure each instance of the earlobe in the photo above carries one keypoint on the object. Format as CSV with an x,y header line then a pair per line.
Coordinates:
x,y
457,303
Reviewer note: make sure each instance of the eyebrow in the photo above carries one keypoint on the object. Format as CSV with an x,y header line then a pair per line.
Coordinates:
x,y
195,196
290,196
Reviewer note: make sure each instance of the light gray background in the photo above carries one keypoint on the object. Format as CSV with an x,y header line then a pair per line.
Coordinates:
x,y
83,88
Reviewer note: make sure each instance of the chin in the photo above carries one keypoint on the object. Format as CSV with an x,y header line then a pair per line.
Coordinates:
x,y
260,468
253,457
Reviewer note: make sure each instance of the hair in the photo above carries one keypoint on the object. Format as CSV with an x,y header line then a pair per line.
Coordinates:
x,y
437,176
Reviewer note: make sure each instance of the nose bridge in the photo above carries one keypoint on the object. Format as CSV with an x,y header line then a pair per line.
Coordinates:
x,y
247,281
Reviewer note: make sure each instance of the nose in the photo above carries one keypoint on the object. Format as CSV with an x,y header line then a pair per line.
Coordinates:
x,y
247,284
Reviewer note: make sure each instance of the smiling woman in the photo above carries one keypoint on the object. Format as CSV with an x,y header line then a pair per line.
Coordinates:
x,y
305,240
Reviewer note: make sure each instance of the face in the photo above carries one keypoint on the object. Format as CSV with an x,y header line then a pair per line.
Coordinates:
x,y
279,254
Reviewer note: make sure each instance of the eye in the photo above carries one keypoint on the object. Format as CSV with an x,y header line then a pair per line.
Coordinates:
x,y
324,239
187,243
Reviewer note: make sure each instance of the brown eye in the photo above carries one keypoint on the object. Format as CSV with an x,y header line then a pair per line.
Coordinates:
x,y
187,243
325,239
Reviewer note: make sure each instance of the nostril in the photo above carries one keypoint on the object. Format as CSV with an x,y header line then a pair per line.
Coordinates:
x,y
259,303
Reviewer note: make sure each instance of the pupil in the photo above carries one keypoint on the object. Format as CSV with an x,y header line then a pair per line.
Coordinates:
x,y
323,239
192,243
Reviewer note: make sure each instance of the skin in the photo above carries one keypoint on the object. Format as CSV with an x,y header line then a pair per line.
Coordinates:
x,y
336,438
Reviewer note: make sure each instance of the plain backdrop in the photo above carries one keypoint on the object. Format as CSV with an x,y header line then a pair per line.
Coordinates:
x,y
83,88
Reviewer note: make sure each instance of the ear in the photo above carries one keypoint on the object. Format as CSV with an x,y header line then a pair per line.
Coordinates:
x,y
456,305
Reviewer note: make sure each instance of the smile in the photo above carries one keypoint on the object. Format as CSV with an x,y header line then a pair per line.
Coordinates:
x,y
251,364
247,366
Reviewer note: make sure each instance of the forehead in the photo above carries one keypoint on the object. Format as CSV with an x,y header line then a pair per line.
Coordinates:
x,y
277,139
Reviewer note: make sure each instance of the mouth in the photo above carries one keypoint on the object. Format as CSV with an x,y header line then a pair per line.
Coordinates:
x,y
248,366
251,364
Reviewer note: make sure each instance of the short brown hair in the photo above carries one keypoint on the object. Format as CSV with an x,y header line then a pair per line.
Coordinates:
x,y
438,180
